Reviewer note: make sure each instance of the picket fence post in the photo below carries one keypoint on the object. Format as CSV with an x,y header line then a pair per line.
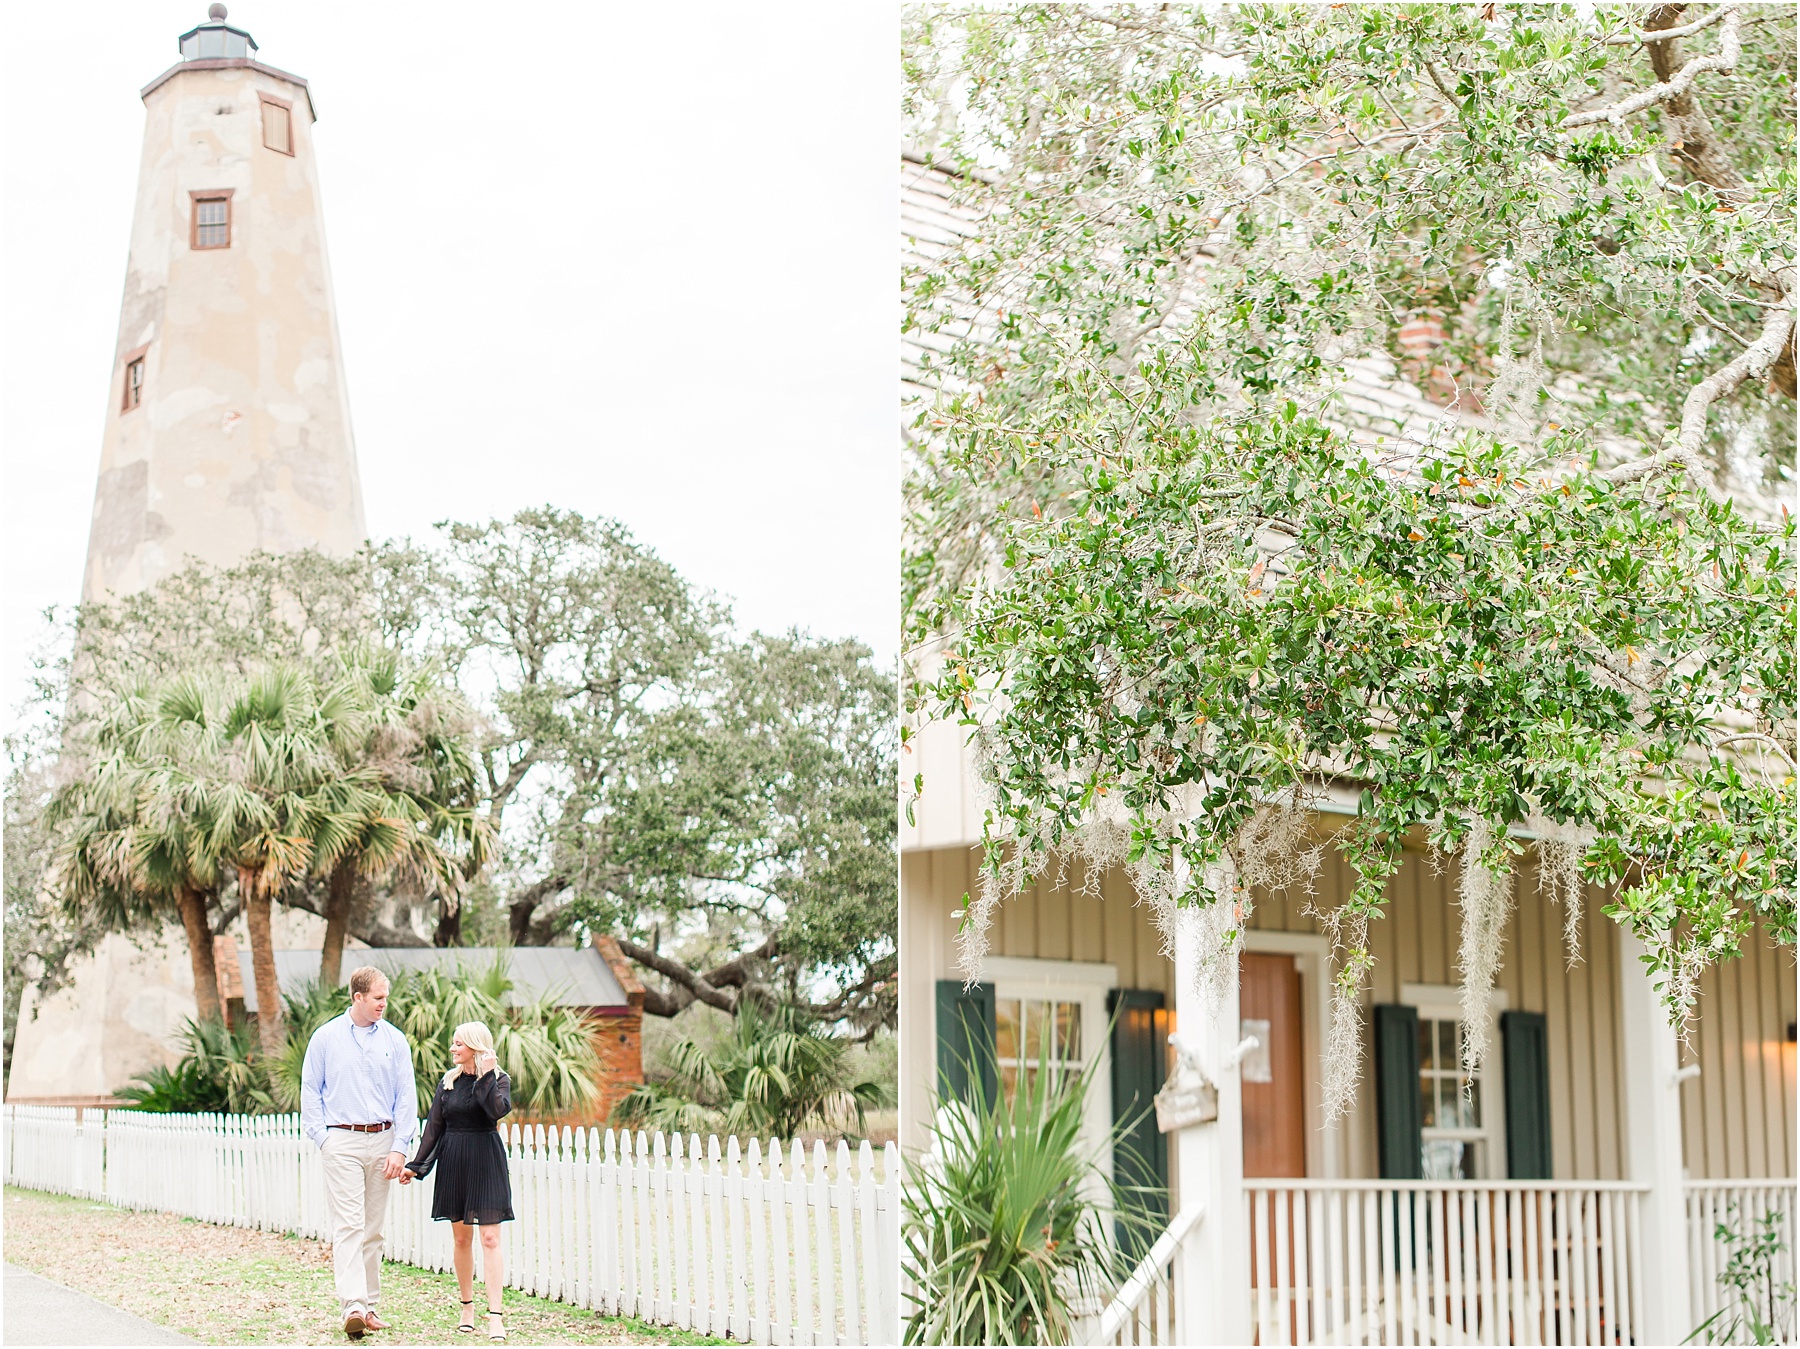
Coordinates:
x,y
776,1246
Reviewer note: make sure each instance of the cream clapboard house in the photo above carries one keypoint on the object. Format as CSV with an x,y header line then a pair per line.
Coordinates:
x,y
1570,1201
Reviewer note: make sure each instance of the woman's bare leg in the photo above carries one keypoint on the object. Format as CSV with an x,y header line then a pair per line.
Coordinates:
x,y
462,1256
490,1265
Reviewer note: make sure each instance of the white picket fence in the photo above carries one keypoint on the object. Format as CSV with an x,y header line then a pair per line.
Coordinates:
x,y
765,1245
1738,1204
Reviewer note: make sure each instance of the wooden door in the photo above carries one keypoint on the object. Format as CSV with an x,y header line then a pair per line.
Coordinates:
x,y
1275,1108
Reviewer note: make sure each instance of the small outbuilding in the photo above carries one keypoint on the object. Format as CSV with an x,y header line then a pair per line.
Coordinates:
x,y
595,980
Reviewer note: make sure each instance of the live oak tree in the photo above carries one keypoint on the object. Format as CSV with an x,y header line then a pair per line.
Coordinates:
x,y
1173,599
724,804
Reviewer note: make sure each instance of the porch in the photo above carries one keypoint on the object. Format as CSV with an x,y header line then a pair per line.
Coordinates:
x,y
1568,1196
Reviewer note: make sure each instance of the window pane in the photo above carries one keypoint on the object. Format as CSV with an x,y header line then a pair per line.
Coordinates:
x,y
1037,1027
1425,1042
1428,1102
212,43
1443,1159
1446,1044
1068,1031
1472,1111
1006,1028
212,212
1009,1081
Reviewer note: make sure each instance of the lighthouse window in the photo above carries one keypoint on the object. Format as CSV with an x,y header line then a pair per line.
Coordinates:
x,y
278,131
212,220
134,384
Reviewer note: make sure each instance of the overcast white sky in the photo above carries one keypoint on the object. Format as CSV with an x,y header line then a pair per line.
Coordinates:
x,y
631,260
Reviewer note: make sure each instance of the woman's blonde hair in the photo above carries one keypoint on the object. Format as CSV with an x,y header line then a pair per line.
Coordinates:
x,y
476,1036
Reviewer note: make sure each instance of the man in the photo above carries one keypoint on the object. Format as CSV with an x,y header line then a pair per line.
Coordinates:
x,y
357,1103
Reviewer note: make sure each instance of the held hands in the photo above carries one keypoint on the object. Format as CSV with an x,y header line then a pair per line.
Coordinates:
x,y
394,1165
406,1177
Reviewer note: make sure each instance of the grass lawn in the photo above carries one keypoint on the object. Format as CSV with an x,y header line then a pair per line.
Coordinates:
x,y
226,1285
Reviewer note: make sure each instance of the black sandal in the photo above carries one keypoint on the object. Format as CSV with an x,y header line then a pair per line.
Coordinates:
x,y
468,1329
502,1334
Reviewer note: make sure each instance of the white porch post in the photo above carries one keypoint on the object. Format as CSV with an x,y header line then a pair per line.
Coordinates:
x,y
1212,1300
1653,1148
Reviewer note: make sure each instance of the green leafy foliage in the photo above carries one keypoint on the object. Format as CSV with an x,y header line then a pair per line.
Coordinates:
x,y
641,767
777,1073
1760,1304
1003,1227
1168,590
222,1071
548,1051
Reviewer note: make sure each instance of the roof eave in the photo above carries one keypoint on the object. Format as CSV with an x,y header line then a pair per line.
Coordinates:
x,y
231,63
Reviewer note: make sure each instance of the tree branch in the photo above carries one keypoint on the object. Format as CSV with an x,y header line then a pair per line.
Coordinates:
x,y
1635,38
712,988
1757,737
1752,363
1724,60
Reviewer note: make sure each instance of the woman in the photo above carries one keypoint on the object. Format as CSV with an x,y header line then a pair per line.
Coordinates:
x,y
473,1187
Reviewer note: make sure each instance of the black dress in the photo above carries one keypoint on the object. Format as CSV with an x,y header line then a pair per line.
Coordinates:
x,y
460,1138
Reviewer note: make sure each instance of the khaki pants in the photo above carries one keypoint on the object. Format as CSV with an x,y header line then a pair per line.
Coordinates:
x,y
356,1193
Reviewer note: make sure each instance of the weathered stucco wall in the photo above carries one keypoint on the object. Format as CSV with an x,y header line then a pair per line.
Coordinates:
x,y
243,439
241,442
116,1017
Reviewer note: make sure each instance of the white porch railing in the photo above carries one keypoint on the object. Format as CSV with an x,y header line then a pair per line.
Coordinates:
x,y
1143,1310
773,1247
1444,1262
1738,1204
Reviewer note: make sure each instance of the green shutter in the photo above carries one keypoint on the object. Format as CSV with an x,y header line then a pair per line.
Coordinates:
x,y
1524,1044
1140,1037
965,1040
1397,1091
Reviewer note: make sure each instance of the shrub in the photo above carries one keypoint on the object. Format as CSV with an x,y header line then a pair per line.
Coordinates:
x,y
777,1073
1003,1221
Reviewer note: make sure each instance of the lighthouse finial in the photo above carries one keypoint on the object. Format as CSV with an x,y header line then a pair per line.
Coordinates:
x,y
215,11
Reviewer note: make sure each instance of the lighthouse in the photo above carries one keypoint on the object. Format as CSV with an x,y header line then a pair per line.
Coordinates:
x,y
227,433
228,417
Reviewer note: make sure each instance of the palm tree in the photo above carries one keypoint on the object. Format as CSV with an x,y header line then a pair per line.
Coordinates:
x,y
132,851
270,740
403,798
778,1073
267,779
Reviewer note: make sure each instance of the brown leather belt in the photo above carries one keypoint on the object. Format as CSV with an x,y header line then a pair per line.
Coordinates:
x,y
363,1128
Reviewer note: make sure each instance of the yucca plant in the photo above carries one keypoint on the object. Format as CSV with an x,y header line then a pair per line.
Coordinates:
x,y
779,1072
1004,1220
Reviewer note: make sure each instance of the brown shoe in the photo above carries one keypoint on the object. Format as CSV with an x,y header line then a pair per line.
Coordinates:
x,y
372,1321
355,1323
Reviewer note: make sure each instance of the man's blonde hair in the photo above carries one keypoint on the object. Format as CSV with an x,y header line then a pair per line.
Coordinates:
x,y
365,977
476,1036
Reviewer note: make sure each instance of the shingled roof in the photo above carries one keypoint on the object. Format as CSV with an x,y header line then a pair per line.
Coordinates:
x,y
575,977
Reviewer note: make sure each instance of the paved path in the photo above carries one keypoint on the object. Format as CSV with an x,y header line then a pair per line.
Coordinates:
x,y
41,1312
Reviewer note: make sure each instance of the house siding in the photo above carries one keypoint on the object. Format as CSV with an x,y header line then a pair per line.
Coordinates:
x,y
1739,1117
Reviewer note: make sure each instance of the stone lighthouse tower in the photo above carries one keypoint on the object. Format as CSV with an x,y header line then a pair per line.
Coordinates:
x,y
228,419
227,432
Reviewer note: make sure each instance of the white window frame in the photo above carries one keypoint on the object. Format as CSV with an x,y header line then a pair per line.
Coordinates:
x,y
1071,981
1444,1002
